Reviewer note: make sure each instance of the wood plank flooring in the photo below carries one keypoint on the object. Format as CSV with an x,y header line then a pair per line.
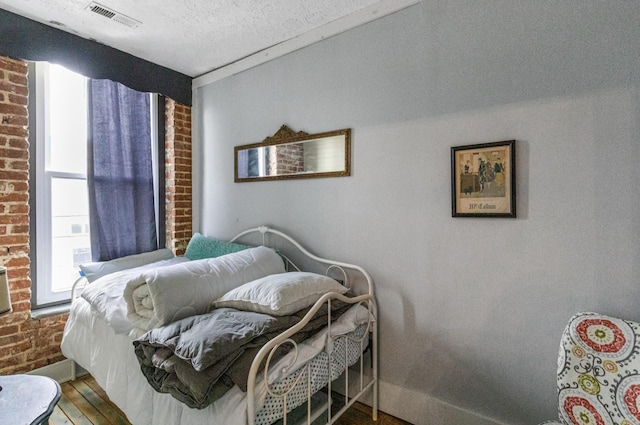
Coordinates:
x,y
83,402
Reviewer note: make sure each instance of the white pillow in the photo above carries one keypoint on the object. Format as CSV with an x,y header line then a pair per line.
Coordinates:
x,y
93,271
280,294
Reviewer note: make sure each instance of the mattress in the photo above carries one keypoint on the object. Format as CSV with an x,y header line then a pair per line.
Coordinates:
x,y
109,357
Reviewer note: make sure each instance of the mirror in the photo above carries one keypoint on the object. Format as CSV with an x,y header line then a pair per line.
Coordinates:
x,y
294,155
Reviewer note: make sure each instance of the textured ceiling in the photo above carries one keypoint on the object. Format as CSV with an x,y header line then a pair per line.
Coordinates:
x,y
192,36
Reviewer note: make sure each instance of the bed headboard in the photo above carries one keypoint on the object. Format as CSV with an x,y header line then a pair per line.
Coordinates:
x,y
336,269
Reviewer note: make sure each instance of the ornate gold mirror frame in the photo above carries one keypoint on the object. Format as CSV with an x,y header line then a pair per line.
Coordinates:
x,y
294,155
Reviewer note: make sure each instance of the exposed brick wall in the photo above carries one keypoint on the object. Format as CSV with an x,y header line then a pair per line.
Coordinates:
x,y
178,176
26,343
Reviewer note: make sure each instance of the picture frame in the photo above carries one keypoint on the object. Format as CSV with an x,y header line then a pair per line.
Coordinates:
x,y
483,180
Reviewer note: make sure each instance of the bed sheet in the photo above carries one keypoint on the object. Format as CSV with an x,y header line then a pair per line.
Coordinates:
x,y
109,357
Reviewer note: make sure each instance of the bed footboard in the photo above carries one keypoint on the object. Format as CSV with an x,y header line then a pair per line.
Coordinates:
x,y
332,367
337,357
288,392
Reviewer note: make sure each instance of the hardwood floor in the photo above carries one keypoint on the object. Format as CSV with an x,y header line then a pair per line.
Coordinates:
x,y
83,402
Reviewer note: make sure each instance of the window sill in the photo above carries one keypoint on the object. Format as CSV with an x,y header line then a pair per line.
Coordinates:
x,y
41,313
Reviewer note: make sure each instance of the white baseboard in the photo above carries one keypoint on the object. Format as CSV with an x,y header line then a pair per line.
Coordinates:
x,y
417,408
62,371
421,409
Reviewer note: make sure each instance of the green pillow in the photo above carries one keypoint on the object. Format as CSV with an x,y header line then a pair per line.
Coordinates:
x,y
203,247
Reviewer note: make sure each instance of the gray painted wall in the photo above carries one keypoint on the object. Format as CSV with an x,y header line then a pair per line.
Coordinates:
x,y
471,310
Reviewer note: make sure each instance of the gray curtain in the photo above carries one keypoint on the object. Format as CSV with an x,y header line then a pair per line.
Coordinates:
x,y
120,172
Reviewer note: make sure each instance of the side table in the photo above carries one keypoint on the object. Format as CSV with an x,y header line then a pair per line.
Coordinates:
x,y
27,399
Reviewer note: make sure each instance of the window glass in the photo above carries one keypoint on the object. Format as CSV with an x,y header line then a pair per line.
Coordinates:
x,y
70,242
67,100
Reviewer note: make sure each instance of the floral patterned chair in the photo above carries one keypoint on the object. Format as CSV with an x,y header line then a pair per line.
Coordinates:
x,y
599,371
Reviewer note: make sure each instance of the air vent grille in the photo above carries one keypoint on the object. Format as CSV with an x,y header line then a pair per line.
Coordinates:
x,y
112,15
101,11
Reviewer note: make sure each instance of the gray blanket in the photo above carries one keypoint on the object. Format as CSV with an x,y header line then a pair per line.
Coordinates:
x,y
197,359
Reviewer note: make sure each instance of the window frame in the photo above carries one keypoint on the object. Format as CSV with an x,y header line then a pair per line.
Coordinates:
x,y
40,192
40,179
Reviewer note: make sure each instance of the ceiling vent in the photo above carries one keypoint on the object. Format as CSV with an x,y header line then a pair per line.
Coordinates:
x,y
111,14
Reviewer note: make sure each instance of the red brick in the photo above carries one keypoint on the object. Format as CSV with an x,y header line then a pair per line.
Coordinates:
x,y
12,350
13,88
15,120
14,197
19,229
13,65
14,240
14,131
19,209
14,175
9,330
17,99
22,306
8,364
20,165
14,153
11,219
18,79
19,143
18,262
9,109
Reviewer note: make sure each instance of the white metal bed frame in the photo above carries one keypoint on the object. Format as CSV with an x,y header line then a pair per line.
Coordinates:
x,y
269,348
267,351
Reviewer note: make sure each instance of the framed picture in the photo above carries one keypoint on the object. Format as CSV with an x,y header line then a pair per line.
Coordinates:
x,y
483,180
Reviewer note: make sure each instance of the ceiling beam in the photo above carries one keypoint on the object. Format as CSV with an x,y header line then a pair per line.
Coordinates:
x,y
338,26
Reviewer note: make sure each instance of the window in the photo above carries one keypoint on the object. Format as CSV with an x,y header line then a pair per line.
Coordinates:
x,y
62,204
61,241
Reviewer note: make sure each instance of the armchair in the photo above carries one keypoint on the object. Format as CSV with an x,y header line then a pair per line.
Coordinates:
x,y
599,371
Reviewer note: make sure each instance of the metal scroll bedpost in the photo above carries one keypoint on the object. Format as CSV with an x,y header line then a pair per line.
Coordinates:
x,y
267,349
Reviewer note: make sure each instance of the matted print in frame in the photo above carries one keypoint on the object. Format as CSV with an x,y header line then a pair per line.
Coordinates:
x,y
483,180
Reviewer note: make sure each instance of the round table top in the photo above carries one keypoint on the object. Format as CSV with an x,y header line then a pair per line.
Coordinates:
x,y
27,399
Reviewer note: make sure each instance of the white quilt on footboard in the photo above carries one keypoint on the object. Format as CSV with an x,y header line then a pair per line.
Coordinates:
x,y
110,359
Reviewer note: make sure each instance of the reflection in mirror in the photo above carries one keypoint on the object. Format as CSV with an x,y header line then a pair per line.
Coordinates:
x,y
291,155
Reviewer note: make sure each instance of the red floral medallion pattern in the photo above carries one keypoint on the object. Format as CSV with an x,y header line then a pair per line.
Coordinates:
x,y
584,409
631,399
601,335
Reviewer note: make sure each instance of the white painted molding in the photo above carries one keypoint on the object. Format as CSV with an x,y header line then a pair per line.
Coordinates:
x,y
61,371
415,407
368,14
421,409
196,164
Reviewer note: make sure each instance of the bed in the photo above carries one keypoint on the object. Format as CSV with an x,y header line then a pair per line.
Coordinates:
x,y
137,341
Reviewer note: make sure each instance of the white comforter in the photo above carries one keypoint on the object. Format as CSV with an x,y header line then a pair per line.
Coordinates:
x,y
160,296
105,294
